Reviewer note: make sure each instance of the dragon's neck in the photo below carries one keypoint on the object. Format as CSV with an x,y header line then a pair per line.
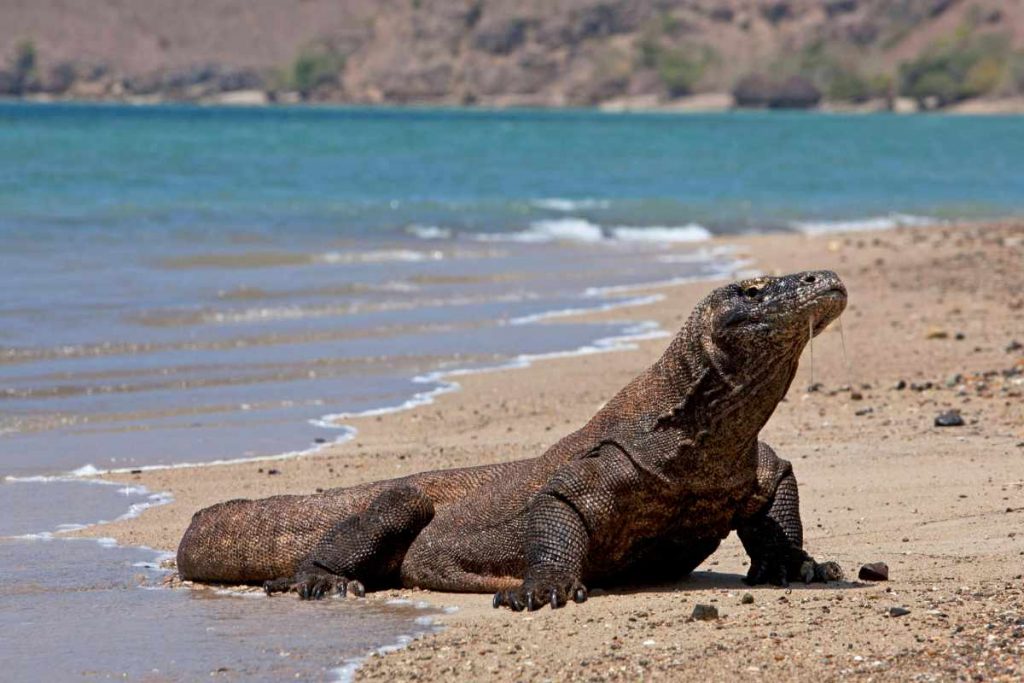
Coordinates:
x,y
718,400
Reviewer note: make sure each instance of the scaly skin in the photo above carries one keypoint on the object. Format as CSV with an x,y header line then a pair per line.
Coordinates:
x,y
645,491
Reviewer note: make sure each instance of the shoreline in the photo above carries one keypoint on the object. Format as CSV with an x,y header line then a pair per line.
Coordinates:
x,y
705,103
498,415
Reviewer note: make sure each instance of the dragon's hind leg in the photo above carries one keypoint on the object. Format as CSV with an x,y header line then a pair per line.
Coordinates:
x,y
364,549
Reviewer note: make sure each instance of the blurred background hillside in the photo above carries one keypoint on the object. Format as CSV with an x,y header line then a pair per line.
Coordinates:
x,y
872,54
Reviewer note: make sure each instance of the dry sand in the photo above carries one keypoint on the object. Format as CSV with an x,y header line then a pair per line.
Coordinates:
x,y
944,507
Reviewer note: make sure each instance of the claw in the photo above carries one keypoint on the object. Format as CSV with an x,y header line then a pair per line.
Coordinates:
x,y
828,571
343,588
514,604
530,606
553,599
496,601
580,595
357,589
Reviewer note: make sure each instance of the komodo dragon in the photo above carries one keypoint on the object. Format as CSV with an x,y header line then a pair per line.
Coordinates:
x,y
644,492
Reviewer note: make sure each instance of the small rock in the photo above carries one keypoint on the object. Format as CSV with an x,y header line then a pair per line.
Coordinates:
x,y
901,385
953,380
747,599
136,472
319,439
921,386
273,471
874,571
898,611
704,613
817,386
856,396
1014,346
937,333
959,336
864,411
950,418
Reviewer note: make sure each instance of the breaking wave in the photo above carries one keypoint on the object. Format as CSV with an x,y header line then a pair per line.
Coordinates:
x,y
580,230
886,222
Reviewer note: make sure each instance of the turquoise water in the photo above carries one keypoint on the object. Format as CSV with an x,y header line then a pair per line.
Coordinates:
x,y
184,285
101,170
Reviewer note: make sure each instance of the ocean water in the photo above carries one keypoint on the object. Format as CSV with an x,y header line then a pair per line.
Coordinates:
x,y
189,285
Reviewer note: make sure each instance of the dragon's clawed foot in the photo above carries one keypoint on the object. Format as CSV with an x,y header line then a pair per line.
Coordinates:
x,y
825,572
315,585
535,593
779,571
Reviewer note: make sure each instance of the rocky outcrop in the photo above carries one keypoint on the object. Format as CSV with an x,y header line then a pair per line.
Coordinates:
x,y
760,91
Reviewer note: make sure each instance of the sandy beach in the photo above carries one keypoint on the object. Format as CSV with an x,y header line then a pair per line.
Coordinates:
x,y
934,311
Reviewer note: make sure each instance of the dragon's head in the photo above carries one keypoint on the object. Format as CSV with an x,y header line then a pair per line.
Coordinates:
x,y
767,319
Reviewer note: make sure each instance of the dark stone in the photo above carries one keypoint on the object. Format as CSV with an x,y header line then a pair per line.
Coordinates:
x,y
273,471
747,599
1014,346
319,439
704,613
796,92
754,90
864,411
874,571
901,385
898,611
817,386
949,418
760,91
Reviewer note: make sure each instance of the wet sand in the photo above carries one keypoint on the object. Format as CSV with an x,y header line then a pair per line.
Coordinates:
x,y
944,507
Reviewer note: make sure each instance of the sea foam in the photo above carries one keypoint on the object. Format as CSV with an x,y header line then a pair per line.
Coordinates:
x,y
581,230
887,222
691,232
567,205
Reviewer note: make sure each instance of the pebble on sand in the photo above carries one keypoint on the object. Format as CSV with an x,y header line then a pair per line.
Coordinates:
x,y
898,611
704,613
949,418
874,571
747,599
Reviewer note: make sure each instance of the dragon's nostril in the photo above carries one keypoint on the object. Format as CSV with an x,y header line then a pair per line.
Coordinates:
x,y
809,279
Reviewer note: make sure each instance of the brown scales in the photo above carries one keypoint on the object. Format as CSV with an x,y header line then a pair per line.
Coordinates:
x,y
644,492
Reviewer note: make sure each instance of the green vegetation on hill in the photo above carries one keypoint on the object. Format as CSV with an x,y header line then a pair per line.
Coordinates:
x,y
956,69
316,66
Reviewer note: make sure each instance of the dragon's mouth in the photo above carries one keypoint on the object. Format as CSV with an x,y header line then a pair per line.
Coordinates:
x,y
829,305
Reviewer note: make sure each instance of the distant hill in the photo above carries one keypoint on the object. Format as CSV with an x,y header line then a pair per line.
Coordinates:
x,y
531,52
